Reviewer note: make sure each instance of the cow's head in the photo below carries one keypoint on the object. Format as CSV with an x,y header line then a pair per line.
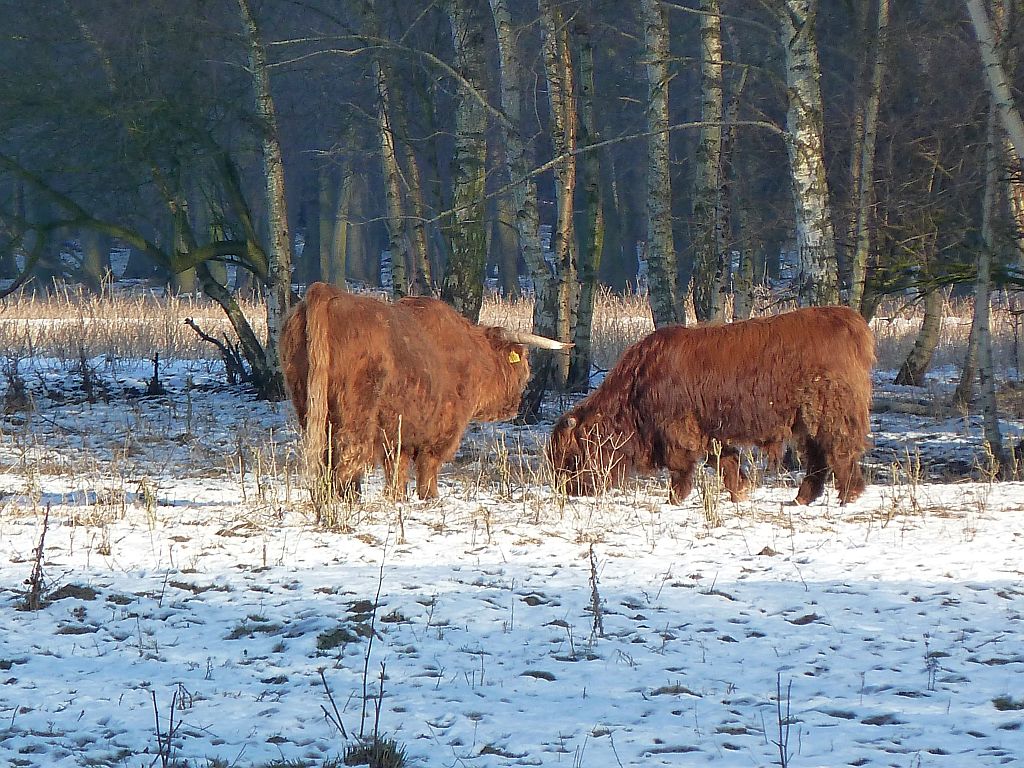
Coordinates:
x,y
586,458
502,393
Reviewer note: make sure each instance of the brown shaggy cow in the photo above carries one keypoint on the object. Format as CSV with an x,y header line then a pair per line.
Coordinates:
x,y
803,376
378,383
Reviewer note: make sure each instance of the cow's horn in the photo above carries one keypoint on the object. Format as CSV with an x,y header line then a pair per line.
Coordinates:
x,y
533,340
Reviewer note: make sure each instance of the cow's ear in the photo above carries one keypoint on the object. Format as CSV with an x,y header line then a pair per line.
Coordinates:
x,y
514,357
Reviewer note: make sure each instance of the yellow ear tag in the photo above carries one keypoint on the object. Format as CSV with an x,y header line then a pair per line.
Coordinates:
x,y
513,357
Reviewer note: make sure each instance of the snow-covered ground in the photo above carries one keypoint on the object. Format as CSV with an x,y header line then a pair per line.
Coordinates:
x,y
186,591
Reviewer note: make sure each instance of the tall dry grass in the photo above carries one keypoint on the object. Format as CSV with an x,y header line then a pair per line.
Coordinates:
x,y
130,324
114,323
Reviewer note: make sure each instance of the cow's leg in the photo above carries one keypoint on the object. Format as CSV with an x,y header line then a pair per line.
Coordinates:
x,y
343,460
734,478
681,478
427,467
849,480
817,472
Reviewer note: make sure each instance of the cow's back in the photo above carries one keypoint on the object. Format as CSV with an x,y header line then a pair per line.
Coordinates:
x,y
750,381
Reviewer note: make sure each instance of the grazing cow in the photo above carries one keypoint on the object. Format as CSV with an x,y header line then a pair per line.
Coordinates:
x,y
379,383
682,394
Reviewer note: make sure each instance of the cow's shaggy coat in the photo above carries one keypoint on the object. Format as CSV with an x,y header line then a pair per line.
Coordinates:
x,y
385,384
681,394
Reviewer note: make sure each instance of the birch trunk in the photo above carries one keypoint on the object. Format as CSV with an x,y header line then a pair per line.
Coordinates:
x,y
964,391
666,307
423,277
865,168
983,288
278,293
914,368
395,218
464,276
817,279
709,267
560,77
336,266
591,233
524,200
995,74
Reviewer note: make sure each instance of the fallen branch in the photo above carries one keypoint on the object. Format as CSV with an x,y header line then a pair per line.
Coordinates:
x,y
233,365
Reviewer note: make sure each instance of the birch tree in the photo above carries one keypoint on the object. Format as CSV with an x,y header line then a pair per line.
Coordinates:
x,y
464,276
524,200
914,368
591,231
995,75
817,279
708,263
983,288
666,307
561,87
278,283
395,216
864,165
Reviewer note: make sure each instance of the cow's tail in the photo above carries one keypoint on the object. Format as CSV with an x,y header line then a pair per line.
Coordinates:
x,y
318,356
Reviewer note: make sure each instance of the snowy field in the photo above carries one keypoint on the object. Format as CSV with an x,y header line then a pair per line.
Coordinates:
x,y
191,614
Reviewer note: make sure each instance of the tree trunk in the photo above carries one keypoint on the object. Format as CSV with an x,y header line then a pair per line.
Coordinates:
x,y
335,269
666,308
817,280
325,224
421,273
95,259
561,88
995,74
524,199
464,276
746,275
263,375
12,238
863,181
708,267
983,287
914,368
278,293
398,243
964,391
505,245
591,231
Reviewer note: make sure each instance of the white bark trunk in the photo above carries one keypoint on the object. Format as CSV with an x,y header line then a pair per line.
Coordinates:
x,y
398,243
864,180
661,256
817,281
998,83
562,101
709,266
591,231
463,279
524,189
524,200
983,287
280,256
